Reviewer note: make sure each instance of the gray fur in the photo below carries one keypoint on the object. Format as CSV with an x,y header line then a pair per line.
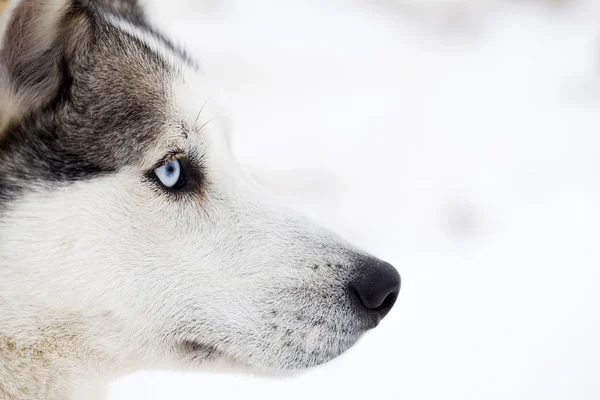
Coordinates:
x,y
107,88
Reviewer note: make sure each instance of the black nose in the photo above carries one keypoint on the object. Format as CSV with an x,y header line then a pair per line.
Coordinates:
x,y
376,286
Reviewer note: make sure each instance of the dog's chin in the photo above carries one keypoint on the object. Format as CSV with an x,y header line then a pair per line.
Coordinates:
x,y
199,356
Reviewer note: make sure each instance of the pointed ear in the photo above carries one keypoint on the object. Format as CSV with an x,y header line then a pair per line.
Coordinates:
x,y
30,53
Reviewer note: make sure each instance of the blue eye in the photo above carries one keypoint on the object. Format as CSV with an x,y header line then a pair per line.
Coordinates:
x,y
169,174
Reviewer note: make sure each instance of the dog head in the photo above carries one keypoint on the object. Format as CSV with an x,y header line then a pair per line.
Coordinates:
x,y
123,210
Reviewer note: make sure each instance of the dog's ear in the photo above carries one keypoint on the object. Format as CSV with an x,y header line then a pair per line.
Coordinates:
x,y
30,52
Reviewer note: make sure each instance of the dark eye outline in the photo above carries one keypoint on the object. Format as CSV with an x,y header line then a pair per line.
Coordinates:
x,y
190,175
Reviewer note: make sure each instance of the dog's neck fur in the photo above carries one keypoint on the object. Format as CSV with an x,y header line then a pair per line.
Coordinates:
x,y
19,363
50,362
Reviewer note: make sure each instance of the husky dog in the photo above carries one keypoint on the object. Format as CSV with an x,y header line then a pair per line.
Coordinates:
x,y
129,236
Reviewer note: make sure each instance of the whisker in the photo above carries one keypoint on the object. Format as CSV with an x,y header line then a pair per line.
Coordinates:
x,y
210,120
200,112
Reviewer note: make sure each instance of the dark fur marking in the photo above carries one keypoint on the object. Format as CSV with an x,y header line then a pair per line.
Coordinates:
x,y
108,107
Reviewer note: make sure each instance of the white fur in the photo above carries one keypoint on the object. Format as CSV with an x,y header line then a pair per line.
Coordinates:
x,y
126,266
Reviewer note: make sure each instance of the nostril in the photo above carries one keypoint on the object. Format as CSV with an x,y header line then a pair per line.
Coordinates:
x,y
375,301
388,302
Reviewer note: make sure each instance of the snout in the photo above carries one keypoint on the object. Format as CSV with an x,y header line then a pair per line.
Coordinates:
x,y
375,288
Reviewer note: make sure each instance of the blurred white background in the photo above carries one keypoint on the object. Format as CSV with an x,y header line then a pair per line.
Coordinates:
x,y
457,139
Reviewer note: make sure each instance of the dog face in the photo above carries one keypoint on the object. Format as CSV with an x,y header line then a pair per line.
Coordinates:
x,y
124,212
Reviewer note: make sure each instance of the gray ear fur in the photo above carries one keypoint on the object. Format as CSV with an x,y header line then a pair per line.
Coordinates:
x,y
30,51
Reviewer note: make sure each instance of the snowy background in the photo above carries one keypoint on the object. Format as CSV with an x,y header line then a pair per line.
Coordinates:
x,y
457,139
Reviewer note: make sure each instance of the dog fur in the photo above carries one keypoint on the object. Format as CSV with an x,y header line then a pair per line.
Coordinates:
x,y
102,270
